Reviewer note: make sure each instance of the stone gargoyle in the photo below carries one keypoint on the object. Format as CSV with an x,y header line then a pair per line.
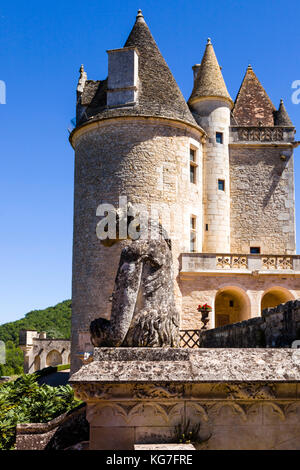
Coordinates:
x,y
143,312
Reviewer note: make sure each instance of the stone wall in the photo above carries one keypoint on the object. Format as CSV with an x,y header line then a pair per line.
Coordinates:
x,y
276,328
58,434
262,199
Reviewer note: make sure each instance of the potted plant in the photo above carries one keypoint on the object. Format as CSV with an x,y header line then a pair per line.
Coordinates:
x,y
204,309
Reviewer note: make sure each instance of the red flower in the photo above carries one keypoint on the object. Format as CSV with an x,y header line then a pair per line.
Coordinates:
x,y
204,307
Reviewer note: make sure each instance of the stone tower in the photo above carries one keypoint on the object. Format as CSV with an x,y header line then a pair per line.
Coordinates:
x,y
133,138
211,105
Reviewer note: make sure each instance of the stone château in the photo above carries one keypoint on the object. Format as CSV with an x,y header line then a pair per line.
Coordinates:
x,y
220,170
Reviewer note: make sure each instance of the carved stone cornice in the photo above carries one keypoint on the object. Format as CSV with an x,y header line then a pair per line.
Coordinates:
x,y
261,134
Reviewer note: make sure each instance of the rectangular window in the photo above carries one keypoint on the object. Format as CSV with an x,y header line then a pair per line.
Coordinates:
x,y
231,303
193,165
193,174
219,137
206,227
193,233
255,250
221,185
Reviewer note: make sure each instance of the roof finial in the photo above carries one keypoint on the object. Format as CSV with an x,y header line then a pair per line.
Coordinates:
x,y
249,67
208,41
140,17
281,101
82,79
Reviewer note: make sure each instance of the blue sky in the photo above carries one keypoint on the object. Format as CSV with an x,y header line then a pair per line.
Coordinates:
x,y
42,47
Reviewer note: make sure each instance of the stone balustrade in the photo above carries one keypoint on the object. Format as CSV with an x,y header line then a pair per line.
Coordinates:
x,y
243,263
261,134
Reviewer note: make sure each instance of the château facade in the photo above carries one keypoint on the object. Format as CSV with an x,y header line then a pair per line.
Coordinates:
x,y
219,171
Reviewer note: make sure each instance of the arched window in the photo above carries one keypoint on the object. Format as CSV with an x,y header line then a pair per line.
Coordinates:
x,y
53,358
232,305
37,363
275,296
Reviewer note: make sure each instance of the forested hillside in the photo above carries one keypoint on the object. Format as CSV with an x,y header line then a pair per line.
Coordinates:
x,y
56,321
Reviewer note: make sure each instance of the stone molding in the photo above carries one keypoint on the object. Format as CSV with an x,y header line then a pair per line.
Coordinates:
x,y
243,399
92,125
191,366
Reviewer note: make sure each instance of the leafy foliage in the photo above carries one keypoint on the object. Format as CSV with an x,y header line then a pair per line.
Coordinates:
x,y
187,434
14,360
56,321
24,401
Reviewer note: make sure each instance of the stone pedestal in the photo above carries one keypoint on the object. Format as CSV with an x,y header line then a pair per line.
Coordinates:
x,y
242,398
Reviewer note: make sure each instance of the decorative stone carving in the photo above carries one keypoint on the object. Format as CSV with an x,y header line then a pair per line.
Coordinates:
x,y
239,262
143,309
269,262
261,134
232,262
284,263
158,391
85,392
250,391
234,406
273,262
223,262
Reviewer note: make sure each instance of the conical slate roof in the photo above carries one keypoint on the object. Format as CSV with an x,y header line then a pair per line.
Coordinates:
x,y
209,81
158,92
281,117
253,106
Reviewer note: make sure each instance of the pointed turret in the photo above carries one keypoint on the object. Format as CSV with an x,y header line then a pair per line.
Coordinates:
x,y
209,82
211,104
281,117
253,106
146,78
158,90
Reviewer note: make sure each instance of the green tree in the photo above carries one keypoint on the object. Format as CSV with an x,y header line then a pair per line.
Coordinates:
x,y
56,321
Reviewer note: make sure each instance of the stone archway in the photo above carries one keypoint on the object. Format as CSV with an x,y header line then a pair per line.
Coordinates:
x,y
275,296
53,358
232,305
37,363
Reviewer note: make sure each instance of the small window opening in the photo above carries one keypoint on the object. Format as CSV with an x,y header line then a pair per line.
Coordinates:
x,y
206,227
231,303
193,166
254,250
221,185
193,233
219,137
